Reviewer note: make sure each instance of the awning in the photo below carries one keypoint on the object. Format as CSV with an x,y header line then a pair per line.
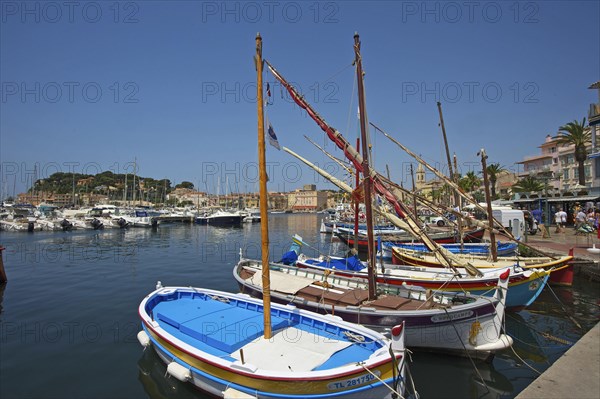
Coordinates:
x,y
526,200
583,198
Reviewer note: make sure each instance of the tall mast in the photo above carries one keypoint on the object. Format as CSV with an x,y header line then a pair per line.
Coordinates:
x,y
356,202
488,200
264,217
133,187
450,172
414,190
367,178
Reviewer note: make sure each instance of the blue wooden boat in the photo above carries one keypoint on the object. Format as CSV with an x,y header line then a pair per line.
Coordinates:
x,y
214,340
481,248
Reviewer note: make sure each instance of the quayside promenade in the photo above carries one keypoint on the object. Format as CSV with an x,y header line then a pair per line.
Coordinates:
x,y
577,373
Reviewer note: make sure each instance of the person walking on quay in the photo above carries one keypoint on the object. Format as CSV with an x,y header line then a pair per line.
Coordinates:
x,y
580,220
563,220
558,221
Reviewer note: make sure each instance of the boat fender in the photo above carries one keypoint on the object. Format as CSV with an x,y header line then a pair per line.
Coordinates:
x,y
179,372
397,334
143,338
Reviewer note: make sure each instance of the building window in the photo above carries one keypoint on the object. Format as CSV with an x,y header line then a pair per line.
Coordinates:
x,y
566,174
588,171
576,170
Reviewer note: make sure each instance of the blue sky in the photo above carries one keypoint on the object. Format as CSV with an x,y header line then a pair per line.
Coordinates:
x,y
91,86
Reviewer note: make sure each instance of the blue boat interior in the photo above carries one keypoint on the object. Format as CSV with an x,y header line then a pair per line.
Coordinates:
x,y
502,248
221,326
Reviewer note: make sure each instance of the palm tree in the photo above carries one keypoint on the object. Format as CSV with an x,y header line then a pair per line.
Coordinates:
x,y
575,133
493,170
469,182
527,184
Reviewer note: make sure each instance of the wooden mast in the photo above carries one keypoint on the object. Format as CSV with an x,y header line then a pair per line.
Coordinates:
x,y
488,200
367,178
414,191
453,174
450,172
356,202
264,217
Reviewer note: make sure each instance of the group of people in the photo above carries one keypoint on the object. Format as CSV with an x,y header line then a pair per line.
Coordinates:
x,y
560,218
585,221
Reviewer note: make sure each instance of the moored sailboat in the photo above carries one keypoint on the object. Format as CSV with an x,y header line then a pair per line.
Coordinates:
x,y
456,320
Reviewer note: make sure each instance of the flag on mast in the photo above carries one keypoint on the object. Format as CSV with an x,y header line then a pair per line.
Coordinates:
x,y
272,137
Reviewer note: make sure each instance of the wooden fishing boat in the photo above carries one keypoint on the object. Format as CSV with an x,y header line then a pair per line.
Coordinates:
x,y
524,286
214,340
561,275
458,323
480,248
330,226
417,258
440,237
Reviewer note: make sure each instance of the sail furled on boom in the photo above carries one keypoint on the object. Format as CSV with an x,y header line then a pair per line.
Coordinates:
x,y
335,136
415,228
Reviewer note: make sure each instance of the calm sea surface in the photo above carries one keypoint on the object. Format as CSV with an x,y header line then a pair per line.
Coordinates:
x,y
68,315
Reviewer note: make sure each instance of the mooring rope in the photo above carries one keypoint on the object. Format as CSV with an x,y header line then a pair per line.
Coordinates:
x,y
563,308
466,351
382,381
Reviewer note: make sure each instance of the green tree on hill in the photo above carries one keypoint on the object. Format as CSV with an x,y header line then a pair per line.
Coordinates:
x,y
185,184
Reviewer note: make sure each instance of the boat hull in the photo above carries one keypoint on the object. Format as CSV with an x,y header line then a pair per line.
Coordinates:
x,y
523,288
222,221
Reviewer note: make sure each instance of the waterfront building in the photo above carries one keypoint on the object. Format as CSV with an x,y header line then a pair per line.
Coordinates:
x,y
307,199
594,123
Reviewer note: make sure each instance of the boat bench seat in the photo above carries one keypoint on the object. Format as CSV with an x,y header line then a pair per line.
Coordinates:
x,y
349,298
390,302
223,326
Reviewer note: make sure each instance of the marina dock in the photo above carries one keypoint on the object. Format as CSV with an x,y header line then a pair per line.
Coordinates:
x,y
575,375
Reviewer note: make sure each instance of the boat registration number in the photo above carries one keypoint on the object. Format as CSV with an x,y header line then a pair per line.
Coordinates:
x,y
352,382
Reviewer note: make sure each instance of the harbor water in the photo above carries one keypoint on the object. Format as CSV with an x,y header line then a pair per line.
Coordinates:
x,y
68,314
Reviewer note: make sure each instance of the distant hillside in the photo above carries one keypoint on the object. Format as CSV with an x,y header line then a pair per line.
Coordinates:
x,y
105,182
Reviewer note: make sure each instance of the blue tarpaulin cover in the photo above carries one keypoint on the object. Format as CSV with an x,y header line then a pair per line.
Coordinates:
x,y
289,258
352,263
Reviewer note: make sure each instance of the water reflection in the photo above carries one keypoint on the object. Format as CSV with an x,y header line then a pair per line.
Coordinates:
x,y
2,288
459,376
157,384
